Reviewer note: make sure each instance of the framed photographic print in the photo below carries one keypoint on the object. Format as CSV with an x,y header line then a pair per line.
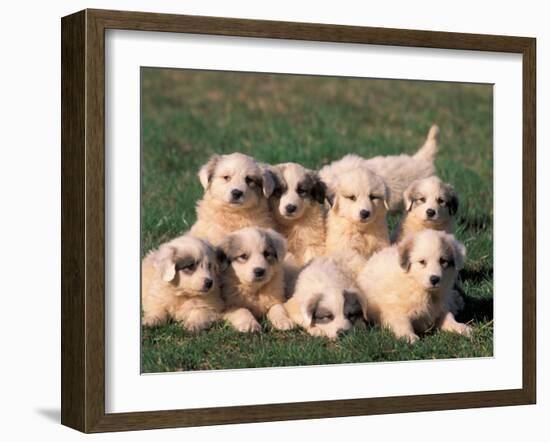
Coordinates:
x,y
266,221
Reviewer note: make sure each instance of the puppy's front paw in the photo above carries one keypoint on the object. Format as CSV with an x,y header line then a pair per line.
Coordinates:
x,y
248,325
282,323
151,321
197,324
410,337
463,329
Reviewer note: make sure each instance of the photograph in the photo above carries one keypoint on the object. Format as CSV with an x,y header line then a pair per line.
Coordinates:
x,y
294,220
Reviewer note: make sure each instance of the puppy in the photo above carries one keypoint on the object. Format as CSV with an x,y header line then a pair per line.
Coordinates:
x,y
325,298
429,204
398,171
406,285
254,283
236,189
297,206
357,219
181,280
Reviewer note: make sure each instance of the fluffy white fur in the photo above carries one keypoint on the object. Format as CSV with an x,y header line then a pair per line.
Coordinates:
x,y
325,298
181,280
297,206
357,220
235,196
405,286
254,283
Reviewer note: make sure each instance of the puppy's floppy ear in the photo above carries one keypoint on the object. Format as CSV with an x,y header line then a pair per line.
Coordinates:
x,y
407,196
404,251
452,199
309,308
223,251
319,188
269,181
221,257
353,299
207,170
164,262
459,251
279,243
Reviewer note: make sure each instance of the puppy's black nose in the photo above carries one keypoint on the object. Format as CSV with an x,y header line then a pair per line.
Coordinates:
x,y
236,194
208,283
290,208
430,213
434,279
364,214
259,272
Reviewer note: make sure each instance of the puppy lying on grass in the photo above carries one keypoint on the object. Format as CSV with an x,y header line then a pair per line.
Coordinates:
x,y
181,280
429,204
406,285
398,171
254,283
235,196
325,298
357,219
297,206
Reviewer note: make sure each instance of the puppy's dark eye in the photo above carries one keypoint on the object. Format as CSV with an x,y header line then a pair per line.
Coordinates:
x,y
441,202
422,200
187,268
422,262
242,257
301,191
323,318
270,255
444,263
209,266
351,197
374,197
226,177
250,181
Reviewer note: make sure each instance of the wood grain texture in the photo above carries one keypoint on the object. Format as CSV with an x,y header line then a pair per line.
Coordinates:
x,y
83,220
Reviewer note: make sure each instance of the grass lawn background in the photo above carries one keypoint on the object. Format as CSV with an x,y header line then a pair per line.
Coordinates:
x,y
189,115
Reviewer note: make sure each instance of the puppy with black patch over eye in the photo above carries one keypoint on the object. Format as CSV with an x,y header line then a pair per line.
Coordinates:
x,y
357,219
180,280
235,196
297,205
325,299
429,204
254,282
406,285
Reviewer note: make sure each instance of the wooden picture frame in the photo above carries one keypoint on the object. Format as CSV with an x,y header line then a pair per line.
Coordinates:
x,y
83,220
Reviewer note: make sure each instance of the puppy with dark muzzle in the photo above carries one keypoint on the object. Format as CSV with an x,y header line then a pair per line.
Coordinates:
x,y
254,282
406,285
297,205
180,280
357,219
235,196
429,204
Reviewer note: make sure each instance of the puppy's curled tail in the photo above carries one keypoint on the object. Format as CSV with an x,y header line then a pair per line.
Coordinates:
x,y
429,149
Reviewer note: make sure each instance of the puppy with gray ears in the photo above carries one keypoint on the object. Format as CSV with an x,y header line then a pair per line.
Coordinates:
x,y
235,196
297,205
254,282
181,280
429,204
406,285
325,299
357,219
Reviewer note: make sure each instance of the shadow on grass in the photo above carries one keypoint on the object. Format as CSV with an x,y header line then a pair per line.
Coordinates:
x,y
478,309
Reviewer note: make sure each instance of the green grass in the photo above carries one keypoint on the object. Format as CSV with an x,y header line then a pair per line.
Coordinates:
x,y
188,115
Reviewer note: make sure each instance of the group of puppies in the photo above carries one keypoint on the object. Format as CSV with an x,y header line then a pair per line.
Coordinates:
x,y
313,249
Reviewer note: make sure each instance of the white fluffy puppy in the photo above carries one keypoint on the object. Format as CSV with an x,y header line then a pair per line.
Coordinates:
x,y
405,286
236,189
181,280
398,171
297,205
357,218
254,283
429,204
325,298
